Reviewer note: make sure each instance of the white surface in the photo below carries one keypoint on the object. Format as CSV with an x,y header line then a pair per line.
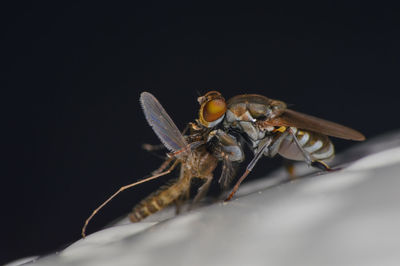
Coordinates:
x,y
348,217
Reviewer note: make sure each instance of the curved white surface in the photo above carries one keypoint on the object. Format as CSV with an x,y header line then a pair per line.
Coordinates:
x,y
348,217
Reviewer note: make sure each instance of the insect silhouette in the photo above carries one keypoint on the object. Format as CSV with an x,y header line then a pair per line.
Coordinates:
x,y
197,154
270,128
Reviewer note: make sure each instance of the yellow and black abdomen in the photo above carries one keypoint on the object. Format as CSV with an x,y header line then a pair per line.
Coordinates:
x,y
318,146
159,200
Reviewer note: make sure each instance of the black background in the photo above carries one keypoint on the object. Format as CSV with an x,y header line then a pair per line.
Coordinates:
x,y
71,75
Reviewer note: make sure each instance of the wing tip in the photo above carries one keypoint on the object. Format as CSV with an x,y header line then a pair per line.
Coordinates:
x,y
359,137
144,95
356,135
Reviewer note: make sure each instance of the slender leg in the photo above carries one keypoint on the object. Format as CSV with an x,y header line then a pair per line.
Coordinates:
x,y
124,188
189,147
163,166
272,151
227,174
276,143
315,163
178,205
202,191
249,168
306,155
323,166
151,147
289,166
179,202
186,129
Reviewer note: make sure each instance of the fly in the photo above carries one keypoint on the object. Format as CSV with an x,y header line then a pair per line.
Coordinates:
x,y
273,129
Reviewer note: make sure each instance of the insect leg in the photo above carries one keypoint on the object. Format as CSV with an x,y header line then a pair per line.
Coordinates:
x,y
315,163
179,201
187,127
178,204
249,168
306,155
124,188
189,147
289,166
202,191
323,166
276,143
163,165
151,147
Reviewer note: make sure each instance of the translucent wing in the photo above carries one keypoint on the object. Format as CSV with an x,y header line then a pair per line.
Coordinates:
x,y
292,118
161,123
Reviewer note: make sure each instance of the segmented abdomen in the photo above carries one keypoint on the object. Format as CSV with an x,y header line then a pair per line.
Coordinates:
x,y
159,200
317,145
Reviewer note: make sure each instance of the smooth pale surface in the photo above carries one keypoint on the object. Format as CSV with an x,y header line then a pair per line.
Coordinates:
x,y
348,217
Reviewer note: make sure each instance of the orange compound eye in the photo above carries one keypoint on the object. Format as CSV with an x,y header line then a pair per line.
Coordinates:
x,y
214,109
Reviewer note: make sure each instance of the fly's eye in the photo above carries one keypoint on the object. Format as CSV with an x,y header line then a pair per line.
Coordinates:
x,y
214,109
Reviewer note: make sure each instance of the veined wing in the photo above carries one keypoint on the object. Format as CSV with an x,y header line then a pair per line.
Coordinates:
x,y
292,118
161,123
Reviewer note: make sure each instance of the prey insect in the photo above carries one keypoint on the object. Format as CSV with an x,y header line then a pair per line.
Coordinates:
x,y
197,154
270,129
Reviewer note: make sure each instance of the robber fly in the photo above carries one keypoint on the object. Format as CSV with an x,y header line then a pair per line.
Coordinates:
x,y
273,129
197,154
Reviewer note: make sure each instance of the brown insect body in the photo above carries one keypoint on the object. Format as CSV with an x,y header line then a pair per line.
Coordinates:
x,y
197,159
194,152
260,117
270,128
198,164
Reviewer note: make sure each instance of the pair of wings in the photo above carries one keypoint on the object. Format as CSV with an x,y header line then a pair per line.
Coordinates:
x,y
171,137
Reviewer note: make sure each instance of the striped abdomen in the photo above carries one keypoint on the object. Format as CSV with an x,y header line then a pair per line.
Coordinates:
x,y
318,146
159,200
